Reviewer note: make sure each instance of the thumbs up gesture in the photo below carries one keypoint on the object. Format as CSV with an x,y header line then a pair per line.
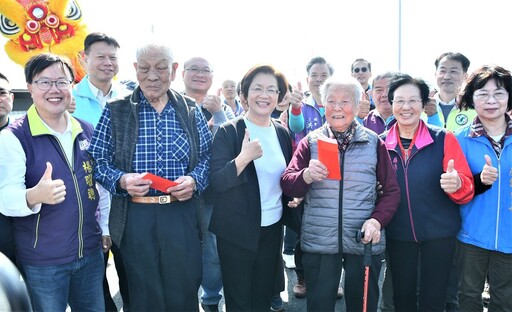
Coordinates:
x,y
251,149
450,180
297,96
47,191
489,173
363,108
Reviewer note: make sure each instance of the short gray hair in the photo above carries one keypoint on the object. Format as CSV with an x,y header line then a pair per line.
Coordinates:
x,y
347,81
151,46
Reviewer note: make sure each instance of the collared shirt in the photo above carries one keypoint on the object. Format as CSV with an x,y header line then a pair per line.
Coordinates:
x,y
477,129
64,138
102,98
162,148
375,122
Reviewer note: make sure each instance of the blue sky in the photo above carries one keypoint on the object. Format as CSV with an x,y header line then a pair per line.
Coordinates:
x,y
235,35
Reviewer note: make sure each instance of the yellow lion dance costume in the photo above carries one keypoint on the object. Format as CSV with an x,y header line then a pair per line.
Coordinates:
x,y
36,26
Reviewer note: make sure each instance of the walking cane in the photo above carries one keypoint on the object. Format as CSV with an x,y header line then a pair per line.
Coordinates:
x,y
367,261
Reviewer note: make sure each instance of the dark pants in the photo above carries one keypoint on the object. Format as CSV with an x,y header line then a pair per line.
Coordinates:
x,y
323,273
279,285
297,256
474,263
249,277
386,303
452,300
290,241
161,249
435,262
123,282
7,238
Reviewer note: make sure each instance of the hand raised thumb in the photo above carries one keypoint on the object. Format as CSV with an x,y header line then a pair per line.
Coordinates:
x,y
299,86
450,167
488,160
48,172
247,136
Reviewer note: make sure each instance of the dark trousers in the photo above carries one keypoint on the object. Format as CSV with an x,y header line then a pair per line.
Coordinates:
x,y
297,256
7,238
290,241
323,273
123,282
434,258
452,300
279,285
249,277
474,263
161,250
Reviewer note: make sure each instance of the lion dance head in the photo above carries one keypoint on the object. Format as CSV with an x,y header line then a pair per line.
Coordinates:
x,y
37,26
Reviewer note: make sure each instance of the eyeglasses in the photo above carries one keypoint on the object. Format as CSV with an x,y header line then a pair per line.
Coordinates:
x,y
4,93
261,91
195,70
484,96
45,84
402,102
358,69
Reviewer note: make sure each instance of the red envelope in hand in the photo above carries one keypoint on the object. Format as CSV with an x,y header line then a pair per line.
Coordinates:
x,y
328,155
159,183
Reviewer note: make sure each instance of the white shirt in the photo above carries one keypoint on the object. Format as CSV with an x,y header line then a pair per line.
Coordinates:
x,y
269,168
102,99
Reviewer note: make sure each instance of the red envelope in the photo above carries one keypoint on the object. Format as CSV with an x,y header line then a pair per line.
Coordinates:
x,y
159,183
328,155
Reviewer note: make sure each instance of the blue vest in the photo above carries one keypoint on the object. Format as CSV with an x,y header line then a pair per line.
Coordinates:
x,y
67,231
425,211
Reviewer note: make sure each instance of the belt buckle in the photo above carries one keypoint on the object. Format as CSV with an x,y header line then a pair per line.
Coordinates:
x,y
164,199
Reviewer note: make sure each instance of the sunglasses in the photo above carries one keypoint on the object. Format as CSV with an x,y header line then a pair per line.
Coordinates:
x,y
363,69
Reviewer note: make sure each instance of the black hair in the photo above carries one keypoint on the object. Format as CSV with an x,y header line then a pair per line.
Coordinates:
x,y
319,60
40,62
361,60
459,57
404,79
282,82
479,78
98,37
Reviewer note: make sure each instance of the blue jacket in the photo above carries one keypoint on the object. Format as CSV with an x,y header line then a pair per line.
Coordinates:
x,y
487,219
67,231
87,106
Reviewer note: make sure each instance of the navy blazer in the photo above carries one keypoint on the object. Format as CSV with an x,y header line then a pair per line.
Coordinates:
x,y
236,215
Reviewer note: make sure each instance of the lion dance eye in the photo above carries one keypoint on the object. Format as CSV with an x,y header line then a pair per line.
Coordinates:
x,y
8,27
74,12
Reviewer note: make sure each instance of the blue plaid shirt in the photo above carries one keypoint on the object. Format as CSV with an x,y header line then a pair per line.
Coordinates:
x,y
162,148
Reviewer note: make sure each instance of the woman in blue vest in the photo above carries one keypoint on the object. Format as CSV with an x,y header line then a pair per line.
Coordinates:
x,y
434,180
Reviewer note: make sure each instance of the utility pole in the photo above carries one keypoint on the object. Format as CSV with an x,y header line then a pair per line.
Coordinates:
x,y
399,35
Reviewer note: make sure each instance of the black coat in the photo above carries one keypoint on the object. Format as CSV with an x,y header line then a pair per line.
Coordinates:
x,y
237,209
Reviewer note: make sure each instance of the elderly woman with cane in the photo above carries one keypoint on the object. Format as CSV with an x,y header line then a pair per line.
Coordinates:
x,y
335,209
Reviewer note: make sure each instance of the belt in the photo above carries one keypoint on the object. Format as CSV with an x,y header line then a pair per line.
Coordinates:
x,y
164,199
